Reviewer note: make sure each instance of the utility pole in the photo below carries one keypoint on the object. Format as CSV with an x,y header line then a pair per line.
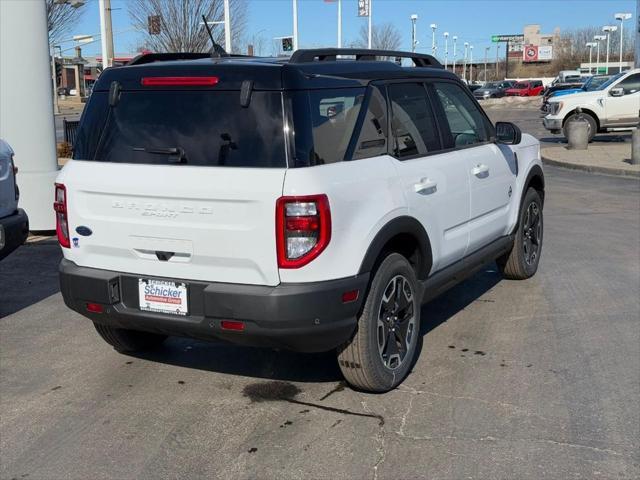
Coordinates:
x,y
497,60
295,25
106,33
446,49
506,63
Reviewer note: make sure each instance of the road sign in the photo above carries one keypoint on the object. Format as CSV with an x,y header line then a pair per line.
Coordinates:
x,y
507,38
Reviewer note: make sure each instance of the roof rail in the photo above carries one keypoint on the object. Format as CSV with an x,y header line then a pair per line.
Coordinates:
x,y
330,55
166,57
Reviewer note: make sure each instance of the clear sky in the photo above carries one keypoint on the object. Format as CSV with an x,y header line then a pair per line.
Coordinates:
x,y
473,21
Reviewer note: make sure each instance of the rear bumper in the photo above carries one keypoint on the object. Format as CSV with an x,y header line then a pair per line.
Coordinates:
x,y
14,230
304,317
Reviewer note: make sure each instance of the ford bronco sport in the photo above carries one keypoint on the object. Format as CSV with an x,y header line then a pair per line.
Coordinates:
x,y
311,203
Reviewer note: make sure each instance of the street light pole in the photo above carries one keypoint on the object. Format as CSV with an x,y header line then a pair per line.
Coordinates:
x,y
471,64
464,65
486,53
446,49
227,27
433,39
414,42
295,25
497,60
339,23
622,17
608,29
455,41
370,39
598,39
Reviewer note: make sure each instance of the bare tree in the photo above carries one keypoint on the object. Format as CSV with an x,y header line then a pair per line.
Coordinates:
x,y
61,18
181,29
385,36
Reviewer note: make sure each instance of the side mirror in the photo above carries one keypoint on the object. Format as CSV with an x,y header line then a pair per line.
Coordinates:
x,y
508,133
617,92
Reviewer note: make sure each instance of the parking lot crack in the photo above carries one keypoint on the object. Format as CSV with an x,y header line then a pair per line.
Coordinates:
x,y
380,439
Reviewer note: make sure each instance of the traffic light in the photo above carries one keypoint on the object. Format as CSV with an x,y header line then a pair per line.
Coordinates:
x,y
154,24
287,44
58,70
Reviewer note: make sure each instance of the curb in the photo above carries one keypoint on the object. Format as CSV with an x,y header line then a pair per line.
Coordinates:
x,y
619,172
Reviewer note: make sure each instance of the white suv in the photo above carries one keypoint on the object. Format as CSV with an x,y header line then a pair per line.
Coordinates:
x,y
613,106
310,204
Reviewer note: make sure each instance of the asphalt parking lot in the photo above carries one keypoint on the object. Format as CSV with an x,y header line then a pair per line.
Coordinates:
x,y
516,380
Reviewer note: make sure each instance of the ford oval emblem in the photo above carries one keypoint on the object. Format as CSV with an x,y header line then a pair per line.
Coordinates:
x,y
84,231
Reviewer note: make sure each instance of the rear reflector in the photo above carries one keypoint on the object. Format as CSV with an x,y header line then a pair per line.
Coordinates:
x,y
231,325
179,81
94,308
350,296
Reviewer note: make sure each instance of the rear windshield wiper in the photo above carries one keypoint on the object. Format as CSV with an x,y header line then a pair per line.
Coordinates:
x,y
174,154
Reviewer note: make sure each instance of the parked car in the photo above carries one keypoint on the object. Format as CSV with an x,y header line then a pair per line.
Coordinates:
x,y
613,106
221,222
530,88
14,223
493,89
592,83
474,86
551,89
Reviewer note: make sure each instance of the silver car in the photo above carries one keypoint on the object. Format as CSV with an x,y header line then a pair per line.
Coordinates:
x,y
14,224
493,89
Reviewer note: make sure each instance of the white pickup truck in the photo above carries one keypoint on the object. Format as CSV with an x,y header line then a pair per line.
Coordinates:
x,y
614,106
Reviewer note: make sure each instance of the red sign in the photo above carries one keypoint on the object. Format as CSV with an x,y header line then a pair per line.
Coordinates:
x,y
530,53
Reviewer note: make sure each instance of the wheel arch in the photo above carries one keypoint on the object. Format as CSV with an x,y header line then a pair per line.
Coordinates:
x,y
586,111
404,235
535,179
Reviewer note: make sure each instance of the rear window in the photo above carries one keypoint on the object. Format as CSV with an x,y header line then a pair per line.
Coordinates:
x,y
202,128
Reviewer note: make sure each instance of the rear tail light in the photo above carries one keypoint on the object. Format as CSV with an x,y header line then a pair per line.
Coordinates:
x,y
94,308
62,221
303,229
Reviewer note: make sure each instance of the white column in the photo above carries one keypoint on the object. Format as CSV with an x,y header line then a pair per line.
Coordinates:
x,y
103,34
607,64
295,25
227,27
26,116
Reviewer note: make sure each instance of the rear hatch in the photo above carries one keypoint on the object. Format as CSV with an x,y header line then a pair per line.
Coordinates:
x,y
177,179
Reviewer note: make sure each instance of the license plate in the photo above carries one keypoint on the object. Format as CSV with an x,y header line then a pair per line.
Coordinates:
x,y
162,296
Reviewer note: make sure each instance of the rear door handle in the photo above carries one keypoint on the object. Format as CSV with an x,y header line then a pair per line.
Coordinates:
x,y
480,170
426,186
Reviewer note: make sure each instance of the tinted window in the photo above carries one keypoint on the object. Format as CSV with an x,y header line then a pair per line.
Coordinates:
x,y
631,84
372,138
184,127
466,122
413,124
334,113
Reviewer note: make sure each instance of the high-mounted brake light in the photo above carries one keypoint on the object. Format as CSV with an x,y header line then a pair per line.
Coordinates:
x,y
179,81
62,221
303,229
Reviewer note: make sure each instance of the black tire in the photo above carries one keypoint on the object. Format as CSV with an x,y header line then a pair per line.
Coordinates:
x,y
129,341
523,259
593,125
373,359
